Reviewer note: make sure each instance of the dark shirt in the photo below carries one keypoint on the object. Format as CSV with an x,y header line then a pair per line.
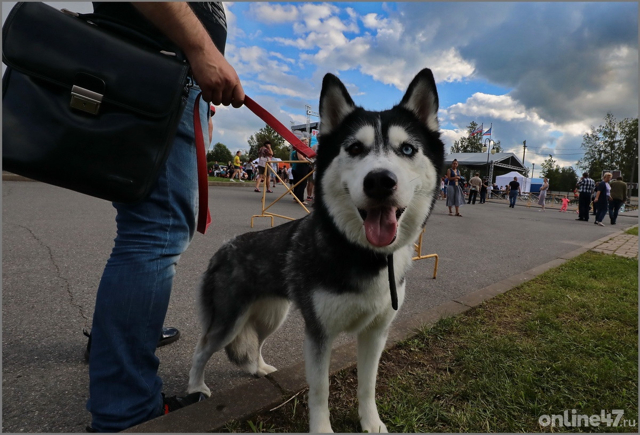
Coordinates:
x,y
514,185
602,188
210,14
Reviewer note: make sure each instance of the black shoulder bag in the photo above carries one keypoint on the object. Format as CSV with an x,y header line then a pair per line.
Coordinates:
x,y
88,104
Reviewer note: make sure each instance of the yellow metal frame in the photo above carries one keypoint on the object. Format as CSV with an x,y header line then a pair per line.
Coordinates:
x,y
419,256
268,168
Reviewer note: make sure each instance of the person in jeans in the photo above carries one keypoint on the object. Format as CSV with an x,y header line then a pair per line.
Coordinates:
x,y
483,191
618,197
585,186
133,294
601,201
474,187
514,191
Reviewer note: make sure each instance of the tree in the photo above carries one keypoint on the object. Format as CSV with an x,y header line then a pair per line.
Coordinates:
x,y
268,134
547,166
613,145
220,153
469,144
563,179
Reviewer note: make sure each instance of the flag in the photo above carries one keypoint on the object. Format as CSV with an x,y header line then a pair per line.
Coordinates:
x,y
488,132
478,131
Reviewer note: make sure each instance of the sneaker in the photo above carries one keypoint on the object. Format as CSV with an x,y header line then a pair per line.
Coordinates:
x,y
601,224
232,180
242,181
174,402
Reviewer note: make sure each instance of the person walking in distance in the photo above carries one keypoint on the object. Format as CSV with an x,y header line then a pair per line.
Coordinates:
x,y
237,167
455,197
601,201
264,154
585,186
543,194
483,191
300,170
475,184
618,197
514,191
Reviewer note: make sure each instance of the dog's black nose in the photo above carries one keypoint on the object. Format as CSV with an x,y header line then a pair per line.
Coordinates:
x,y
380,184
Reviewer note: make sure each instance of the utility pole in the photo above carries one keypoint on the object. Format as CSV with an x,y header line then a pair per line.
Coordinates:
x,y
524,150
533,169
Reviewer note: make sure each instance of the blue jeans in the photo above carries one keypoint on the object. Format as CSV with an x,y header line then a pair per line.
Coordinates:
x,y
512,198
601,209
134,291
614,208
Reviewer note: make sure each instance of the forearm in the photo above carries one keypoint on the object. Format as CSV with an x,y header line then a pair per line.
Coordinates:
x,y
218,81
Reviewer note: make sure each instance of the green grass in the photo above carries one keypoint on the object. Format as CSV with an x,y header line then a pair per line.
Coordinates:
x,y
633,231
565,340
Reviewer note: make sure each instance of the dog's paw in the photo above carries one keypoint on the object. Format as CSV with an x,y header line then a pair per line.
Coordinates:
x,y
200,389
374,427
264,370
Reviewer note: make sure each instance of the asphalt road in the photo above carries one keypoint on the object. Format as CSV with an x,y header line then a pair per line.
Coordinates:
x,y
55,244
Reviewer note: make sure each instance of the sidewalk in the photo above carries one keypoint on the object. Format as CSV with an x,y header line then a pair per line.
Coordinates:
x,y
624,245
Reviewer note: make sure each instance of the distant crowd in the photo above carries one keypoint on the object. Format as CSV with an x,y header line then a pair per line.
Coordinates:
x,y
602,198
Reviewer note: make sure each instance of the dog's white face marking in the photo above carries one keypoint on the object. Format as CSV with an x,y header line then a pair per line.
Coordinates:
x,y
366,136
345,197
397,136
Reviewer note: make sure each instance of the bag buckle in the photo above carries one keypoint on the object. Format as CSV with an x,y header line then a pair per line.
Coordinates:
x,y
86,93
85,100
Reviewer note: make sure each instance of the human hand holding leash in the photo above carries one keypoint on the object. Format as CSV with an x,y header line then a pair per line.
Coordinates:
x,y
216,78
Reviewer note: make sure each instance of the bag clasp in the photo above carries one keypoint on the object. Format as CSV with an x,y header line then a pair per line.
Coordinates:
x,y
85,100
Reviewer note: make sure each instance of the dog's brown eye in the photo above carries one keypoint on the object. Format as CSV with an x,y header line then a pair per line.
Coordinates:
x,y
355,149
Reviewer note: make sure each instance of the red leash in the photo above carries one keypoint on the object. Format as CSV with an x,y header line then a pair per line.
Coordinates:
x,y
278,127
204,217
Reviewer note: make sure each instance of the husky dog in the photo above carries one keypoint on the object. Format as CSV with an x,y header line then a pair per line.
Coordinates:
x,y
377,179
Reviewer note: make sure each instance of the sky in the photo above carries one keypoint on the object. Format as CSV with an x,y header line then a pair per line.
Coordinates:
x,y
544,72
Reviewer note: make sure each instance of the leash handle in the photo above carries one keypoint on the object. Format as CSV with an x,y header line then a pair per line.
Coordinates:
x,y
278,127
204,217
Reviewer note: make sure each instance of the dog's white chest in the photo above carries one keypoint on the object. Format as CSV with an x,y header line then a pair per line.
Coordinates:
x,y
353,311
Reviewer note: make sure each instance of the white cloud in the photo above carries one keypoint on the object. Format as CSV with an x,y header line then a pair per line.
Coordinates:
x,y
273,13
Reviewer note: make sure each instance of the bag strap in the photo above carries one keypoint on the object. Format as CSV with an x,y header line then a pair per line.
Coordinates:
x,y
204,217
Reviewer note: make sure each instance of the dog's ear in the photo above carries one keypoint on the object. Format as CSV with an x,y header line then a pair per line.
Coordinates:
x,y
335,104
422,99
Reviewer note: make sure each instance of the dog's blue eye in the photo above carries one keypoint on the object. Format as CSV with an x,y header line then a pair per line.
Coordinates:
x,y
355,149
408,150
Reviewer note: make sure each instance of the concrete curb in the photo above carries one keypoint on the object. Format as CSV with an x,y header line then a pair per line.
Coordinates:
x,y
268,392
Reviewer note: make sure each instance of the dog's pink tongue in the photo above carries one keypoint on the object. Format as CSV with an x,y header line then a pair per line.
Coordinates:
x,y
381,226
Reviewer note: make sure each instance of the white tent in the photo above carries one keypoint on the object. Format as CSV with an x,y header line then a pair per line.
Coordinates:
x,y
504,180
